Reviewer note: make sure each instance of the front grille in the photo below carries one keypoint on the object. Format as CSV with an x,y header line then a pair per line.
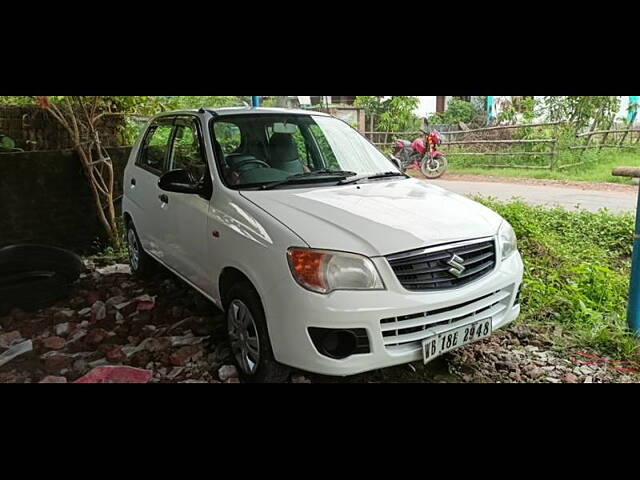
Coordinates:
x,y
401,334
431,268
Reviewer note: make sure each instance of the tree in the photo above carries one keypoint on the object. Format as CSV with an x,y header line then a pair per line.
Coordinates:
x,y
80,117
394,114
580,110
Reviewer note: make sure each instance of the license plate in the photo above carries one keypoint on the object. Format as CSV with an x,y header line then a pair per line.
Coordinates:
x,y
443,342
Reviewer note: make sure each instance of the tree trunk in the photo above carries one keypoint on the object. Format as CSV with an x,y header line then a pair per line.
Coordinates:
x,y
85,138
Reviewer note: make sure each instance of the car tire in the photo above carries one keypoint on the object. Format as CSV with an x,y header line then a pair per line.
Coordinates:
x,y
142,265
251,337
32,291
17,259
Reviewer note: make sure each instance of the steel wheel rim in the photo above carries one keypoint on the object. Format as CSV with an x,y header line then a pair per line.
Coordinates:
x,y
134,251
243,335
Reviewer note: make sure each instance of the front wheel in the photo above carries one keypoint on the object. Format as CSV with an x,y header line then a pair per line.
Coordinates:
x,y
249,337
434,167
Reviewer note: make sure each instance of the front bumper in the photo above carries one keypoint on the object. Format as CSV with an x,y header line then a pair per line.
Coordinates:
x,y
395,319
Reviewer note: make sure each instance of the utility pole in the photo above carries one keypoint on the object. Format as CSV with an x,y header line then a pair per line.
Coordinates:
x,y
633,311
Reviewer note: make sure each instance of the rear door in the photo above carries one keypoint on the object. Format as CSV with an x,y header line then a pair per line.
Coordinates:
x,y
185,216
142,185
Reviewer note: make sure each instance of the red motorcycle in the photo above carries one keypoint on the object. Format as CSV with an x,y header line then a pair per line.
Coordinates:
x,y
421,154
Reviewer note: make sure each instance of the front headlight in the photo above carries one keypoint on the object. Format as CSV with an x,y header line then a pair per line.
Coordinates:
x,y
507,240
324,271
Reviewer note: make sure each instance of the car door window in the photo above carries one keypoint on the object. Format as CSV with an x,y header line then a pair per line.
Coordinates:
x,y
187,153
154,149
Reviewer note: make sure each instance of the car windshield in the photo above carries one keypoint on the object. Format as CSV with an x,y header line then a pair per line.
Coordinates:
x,y
287,150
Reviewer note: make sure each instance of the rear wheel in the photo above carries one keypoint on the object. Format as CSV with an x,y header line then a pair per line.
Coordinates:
x,y
249,337
434,167
141,263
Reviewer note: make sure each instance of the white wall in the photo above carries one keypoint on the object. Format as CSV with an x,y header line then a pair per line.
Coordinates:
x,y
426,107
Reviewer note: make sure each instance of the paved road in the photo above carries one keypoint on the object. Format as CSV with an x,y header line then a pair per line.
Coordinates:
x,y
567,197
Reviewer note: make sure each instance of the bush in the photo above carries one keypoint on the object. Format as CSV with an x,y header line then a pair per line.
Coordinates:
x,y
577,269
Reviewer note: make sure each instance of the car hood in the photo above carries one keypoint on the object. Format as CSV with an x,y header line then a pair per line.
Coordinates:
x,y
377,218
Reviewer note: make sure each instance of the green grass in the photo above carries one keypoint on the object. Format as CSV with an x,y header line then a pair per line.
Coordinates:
x,y
597,169
577,270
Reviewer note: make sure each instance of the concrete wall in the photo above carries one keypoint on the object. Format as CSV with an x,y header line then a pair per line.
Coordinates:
x,y
45,198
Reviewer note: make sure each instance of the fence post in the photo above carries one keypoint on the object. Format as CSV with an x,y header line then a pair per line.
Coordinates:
x,y
633,311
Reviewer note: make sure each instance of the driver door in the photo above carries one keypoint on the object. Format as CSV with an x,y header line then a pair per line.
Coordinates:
x,y
185,215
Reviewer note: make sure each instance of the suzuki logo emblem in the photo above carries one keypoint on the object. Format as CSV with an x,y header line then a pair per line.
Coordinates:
x,y
457,264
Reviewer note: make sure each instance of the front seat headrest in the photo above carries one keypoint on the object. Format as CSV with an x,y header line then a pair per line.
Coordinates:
x,y
282,149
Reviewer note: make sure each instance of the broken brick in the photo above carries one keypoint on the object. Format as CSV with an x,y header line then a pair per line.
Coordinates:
x,y
96,336
7,339
53,379
55,362
182,356
116,355
54,343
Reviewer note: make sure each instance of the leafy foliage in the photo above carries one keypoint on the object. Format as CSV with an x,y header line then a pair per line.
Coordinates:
x,y
395,114
7,144
577,268
457,111
189,102
580,110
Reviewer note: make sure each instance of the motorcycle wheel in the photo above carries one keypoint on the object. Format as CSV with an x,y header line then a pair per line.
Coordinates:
x,y
433,168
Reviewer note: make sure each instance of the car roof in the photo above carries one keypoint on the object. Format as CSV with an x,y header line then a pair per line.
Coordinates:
x,y
228,111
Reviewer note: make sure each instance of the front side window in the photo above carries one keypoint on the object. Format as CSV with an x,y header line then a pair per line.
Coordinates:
x,y
187,151
154,148
260,150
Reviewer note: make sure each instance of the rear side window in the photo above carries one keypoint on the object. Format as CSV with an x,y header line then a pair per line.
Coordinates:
x,y
154,148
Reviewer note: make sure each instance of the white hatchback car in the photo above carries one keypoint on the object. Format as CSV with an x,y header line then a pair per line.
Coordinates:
x,y
322,254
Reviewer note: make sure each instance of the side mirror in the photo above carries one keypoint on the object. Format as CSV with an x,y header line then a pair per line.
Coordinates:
x,y
179,181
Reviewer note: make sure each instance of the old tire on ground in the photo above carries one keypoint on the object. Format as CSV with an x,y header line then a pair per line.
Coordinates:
x,y
16,259
31,291
142,265
249,337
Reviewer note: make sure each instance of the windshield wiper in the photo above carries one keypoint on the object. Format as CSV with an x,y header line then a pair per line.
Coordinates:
x,y
373,177
307,176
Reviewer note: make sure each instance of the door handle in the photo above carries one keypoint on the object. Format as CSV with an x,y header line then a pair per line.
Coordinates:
x,y
163,198
133,182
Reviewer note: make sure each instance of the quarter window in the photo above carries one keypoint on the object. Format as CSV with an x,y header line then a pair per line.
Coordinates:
x,y
155,146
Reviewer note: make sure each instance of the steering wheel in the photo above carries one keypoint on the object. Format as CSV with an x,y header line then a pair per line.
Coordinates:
x,y
250,161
